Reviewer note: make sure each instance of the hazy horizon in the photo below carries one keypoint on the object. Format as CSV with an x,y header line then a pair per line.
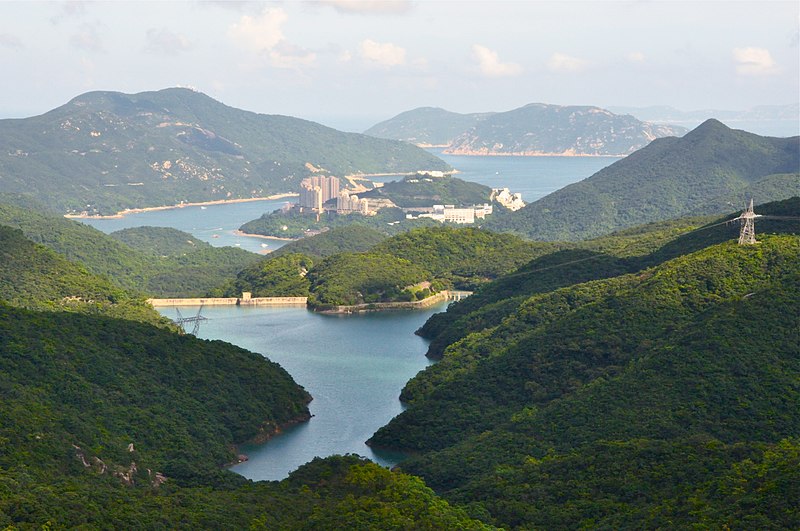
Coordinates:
x,y
352,63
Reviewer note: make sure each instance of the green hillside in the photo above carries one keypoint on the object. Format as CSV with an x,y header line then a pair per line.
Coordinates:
x,y
112,424
106,151
426,126
541,129
622,252
672,177
445,257
425,191
350,239
640,400
159,261
35,277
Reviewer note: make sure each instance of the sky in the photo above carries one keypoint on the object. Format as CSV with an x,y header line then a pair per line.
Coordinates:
x,y
352,63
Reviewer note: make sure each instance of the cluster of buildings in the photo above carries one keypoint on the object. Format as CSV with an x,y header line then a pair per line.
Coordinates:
x,y
452,214
317,190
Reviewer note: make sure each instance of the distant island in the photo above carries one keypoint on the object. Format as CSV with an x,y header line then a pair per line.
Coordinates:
x,y
536,129
107,152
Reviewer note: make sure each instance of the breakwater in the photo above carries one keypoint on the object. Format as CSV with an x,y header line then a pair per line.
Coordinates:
x,y
230,301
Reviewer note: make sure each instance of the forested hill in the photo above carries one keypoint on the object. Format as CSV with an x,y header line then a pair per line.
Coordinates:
x,y
663,398
159,261
430,126
534,129
713,169
106,151
110,424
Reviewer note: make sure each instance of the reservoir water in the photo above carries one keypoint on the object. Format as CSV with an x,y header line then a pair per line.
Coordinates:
x,y
354,366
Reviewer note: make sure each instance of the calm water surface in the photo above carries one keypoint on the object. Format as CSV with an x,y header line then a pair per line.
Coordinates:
x,y
354,367
215,224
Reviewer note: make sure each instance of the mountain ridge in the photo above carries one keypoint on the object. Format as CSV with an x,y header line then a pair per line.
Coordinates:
x,y
533,129
103,152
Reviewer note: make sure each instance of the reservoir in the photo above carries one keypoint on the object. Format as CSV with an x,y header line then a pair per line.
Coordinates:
x,y
353,365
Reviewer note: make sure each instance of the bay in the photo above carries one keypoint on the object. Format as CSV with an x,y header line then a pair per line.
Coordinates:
x,y
353,365
215,224
533,177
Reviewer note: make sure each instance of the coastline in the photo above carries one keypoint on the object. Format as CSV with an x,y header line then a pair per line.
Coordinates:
x,y
468,153
240,233
123,213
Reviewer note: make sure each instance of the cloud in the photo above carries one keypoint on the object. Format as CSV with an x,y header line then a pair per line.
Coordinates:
x,y
636,57
163,41
370,7
560,62
286,55
491,66
754,62
263,35
9,41
87,39
382,53
259,33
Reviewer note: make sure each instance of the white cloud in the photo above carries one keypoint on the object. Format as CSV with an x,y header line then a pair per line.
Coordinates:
x,y
636,57
344,56
370,7
163,41
263,35
259,33
491,66
382,53
560,62
754,62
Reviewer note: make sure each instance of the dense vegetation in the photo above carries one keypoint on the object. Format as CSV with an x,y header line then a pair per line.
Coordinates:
x,y
445,257
33,276
425,191
106,151
660,398
347,239
426,126
670,178
159,261
629,250
291,224
362,278
278,276
113,424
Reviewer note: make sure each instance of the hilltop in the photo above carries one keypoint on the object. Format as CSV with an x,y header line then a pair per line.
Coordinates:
x,y
711,170
534,129
104,152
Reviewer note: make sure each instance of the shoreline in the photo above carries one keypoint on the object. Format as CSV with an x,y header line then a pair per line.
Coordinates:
x,y
526,154
123,213
278,238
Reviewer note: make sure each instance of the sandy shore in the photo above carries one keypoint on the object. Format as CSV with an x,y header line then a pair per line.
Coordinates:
x,y
127,211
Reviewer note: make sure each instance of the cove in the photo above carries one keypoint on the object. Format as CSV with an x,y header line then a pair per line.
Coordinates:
x,y
353,365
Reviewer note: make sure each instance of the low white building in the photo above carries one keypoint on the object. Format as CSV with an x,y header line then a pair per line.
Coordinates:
x,y
466,215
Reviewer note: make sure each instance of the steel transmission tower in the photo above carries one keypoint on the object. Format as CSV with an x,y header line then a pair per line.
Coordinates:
x,y
182,321
747,234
